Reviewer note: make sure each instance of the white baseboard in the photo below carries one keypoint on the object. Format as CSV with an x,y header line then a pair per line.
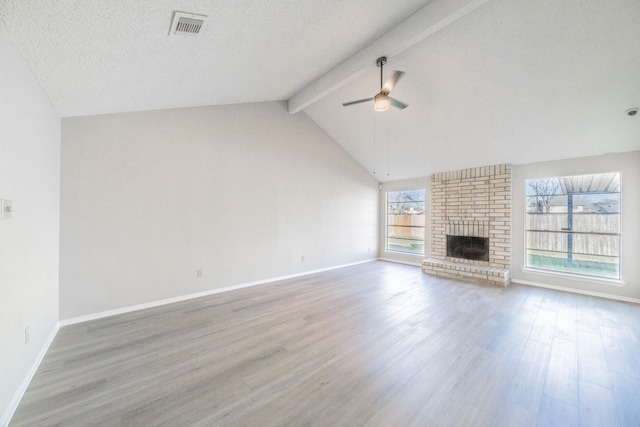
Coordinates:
x,y
158,303
17,397
577,291
15,401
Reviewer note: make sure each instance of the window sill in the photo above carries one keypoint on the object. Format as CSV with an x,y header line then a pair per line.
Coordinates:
x,y
409,254
598,280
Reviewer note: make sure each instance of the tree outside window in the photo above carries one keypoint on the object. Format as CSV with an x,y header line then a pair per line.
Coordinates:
x,y
573,224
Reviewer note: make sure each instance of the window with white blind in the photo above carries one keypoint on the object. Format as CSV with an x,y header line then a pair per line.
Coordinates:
x,y
572,224
406,221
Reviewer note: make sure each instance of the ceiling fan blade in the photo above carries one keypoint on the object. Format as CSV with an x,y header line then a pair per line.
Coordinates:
x,y
360,101
397,104
391,81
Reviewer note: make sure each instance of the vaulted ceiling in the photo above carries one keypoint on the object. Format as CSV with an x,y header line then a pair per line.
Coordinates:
x,y
487,81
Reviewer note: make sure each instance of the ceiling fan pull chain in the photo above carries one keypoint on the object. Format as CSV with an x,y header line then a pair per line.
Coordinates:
x,y
374,143
388,142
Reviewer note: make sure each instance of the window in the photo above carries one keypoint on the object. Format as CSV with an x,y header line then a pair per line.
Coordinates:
x,y
406,221
573,224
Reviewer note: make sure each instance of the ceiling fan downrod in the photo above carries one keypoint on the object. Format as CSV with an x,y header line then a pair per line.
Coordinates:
x,y
380,63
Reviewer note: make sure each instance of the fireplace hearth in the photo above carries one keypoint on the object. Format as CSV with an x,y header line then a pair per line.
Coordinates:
x,y
468,247
471,225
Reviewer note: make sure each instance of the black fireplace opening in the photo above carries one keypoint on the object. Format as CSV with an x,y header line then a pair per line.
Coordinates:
x,y
467,247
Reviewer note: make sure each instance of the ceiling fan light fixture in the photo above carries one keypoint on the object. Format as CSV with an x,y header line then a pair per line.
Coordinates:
x,y
381,102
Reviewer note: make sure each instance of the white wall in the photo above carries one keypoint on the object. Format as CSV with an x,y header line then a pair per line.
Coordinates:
x,y
406,184
30,177
628,164
241,192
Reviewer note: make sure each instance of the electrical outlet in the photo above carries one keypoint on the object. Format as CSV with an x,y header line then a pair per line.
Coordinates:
x,y
7,208
27,335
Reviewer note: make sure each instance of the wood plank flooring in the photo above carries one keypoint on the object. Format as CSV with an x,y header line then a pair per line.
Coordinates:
x,y
378,344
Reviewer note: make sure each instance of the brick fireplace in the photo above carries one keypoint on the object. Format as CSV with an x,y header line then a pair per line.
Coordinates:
x,y
471,225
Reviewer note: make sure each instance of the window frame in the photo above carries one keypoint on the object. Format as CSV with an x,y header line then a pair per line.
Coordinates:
x,y
527,230
387,225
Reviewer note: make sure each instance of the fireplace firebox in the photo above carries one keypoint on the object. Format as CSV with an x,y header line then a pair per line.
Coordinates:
x,y
467,247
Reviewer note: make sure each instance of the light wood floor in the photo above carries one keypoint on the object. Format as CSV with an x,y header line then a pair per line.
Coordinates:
x,y
378,344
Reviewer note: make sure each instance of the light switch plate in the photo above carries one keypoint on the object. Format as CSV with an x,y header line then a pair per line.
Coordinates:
x,y
7,208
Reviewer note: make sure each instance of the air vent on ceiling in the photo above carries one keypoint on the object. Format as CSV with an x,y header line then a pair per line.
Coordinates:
x,y
186,24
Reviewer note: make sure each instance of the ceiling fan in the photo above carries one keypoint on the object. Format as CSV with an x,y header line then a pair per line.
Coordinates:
x,y
382,100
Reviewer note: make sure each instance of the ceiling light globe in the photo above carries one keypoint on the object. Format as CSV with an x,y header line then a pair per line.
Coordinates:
x,y
381,102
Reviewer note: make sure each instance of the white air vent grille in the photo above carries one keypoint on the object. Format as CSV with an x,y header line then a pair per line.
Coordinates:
x,y
186,24
191,26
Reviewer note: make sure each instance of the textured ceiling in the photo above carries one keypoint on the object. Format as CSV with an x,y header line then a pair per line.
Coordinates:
x,y
513,81
95,56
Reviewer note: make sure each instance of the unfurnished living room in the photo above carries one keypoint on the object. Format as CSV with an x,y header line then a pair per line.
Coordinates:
x,y
320,213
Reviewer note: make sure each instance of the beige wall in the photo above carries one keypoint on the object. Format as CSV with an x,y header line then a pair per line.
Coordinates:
x,y
30,177
241,192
